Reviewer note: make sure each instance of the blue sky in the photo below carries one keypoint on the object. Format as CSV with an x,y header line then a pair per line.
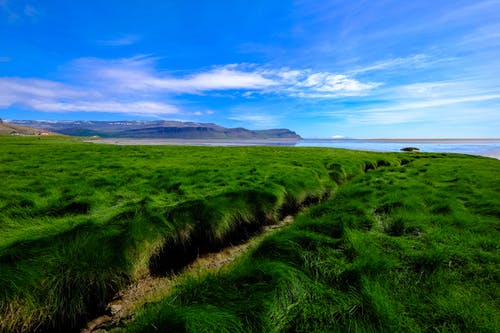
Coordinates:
x,y
365,69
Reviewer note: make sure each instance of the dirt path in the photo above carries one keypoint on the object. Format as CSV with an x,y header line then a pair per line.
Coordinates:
x,y
151,288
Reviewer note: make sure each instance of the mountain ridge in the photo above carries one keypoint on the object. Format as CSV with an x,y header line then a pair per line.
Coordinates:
x,y
161,129
13,129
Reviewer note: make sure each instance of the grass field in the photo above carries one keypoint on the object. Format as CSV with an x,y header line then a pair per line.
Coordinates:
x,y
390,242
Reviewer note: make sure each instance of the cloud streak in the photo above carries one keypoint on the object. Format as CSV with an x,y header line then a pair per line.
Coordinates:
x,y
139,74
15,11
138,108
50,96
434,103
135,86
120,41
258,120
442,102
417,60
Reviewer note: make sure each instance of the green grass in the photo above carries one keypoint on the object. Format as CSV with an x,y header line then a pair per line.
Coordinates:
x,y
79,221
399,242
410,248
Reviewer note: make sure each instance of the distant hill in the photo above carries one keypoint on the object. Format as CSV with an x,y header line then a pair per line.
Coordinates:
x,y
155,129
11,129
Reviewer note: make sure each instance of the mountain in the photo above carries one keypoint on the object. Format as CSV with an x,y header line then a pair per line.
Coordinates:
x,y
155,129
10,129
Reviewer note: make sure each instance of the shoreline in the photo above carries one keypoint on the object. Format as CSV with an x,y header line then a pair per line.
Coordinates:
x,y
478,147
197,142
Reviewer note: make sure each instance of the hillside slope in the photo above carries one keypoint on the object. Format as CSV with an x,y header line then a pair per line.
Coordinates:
x,y
155,129
10,129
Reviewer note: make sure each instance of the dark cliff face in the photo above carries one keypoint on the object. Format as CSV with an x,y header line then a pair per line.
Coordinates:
x,y
170,132
156,129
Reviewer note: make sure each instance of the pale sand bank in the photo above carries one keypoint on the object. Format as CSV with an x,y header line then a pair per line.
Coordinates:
x,y
198,142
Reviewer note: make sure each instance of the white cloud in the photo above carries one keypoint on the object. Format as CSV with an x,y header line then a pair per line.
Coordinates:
x,y
403,112
440,102
31,11
37,87
307,83
134,85
226,78
120,41
425,112
139,74
50,96
215,79
18,90
256,120
138,107
444,109
333,83
291,75
203,113
16,11
417,60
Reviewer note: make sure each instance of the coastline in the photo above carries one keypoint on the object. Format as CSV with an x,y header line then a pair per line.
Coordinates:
x,y
198,142
481,147
494,154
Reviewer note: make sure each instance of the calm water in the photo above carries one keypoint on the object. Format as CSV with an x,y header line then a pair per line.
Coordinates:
x,y
484,147
474,147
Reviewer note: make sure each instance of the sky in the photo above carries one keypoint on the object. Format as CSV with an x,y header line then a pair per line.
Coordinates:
x,y
358,69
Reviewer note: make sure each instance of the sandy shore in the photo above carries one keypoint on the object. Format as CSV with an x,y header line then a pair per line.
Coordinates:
x,y
198,142
494,153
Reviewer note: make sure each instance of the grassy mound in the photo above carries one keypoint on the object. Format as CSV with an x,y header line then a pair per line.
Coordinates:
x,y
404,248
79,221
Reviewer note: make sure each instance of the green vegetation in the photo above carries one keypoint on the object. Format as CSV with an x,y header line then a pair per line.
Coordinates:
x,y
406,248
391,242
410,149
80,221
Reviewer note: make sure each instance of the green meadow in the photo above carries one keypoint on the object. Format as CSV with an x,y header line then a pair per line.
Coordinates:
x,y
381,242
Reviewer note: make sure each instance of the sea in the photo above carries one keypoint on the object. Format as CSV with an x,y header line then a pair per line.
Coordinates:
x,y
483,147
